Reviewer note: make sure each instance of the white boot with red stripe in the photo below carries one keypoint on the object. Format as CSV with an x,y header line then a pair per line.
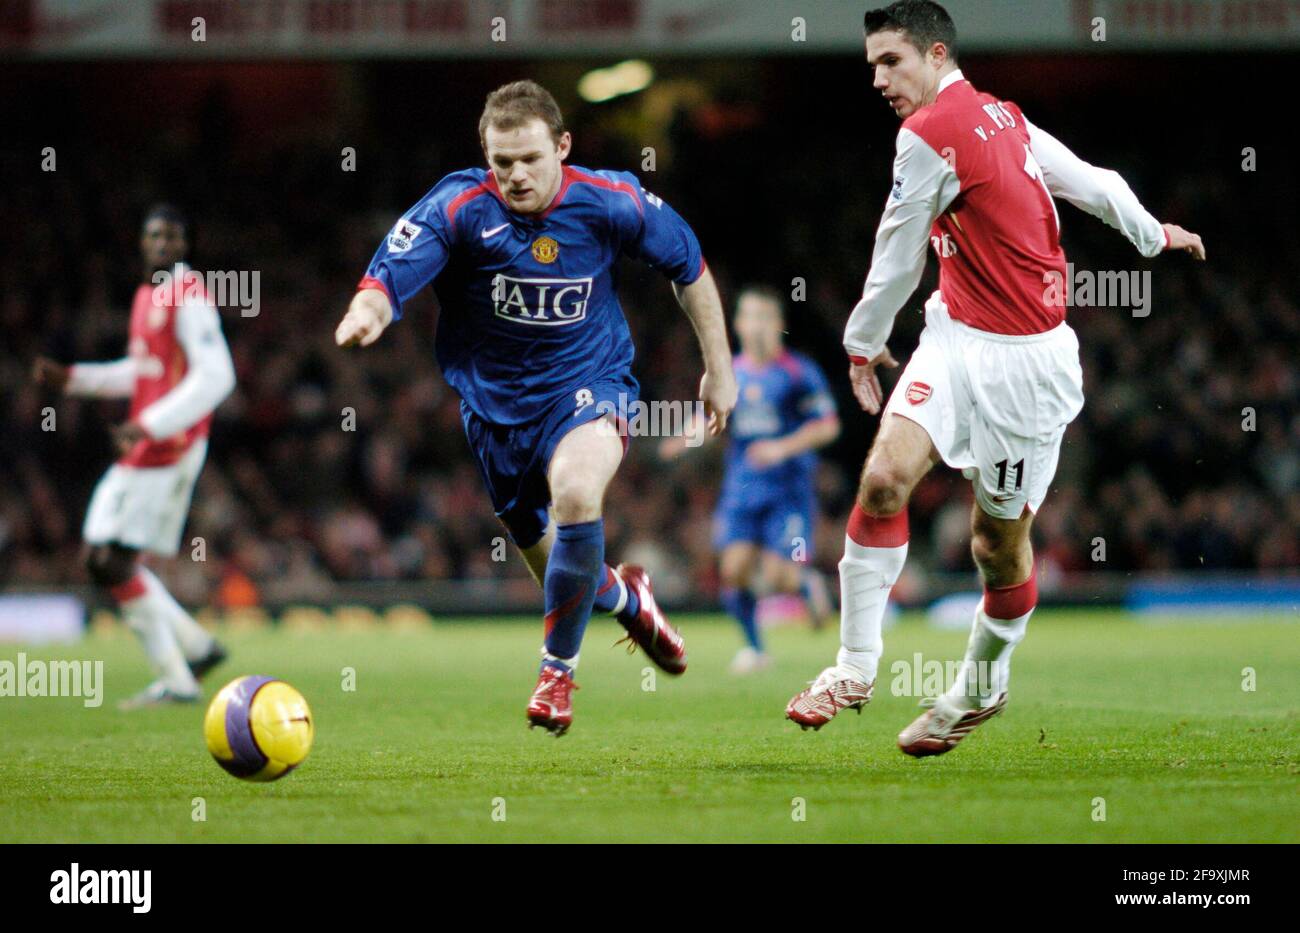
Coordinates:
x,y
1000,623
943,725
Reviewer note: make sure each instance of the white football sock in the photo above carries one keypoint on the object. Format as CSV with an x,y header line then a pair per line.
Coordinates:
x,y
866,576
149,622
570,663
986,669
194,640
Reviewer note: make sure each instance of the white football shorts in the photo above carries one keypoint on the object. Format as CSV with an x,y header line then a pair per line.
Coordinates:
x,y
995,406
145,507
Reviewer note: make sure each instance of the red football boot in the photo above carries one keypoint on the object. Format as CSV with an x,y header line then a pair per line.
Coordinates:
x,y
551,706
650,630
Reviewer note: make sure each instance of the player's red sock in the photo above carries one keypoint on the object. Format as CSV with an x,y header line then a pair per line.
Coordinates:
x,y
1012,602
877,530
131,589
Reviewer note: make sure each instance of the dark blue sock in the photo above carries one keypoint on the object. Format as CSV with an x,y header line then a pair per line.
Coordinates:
x,y
805,587
741,604
574,570
608,593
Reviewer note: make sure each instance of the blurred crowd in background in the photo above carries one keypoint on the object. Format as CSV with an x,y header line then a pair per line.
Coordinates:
x,y
1186,456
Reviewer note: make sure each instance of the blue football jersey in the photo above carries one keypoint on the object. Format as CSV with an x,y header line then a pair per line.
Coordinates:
x,y
776,398
529,310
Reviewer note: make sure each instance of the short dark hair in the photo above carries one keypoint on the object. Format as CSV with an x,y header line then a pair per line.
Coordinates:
x,y
512,105
766,292
170,213
922,21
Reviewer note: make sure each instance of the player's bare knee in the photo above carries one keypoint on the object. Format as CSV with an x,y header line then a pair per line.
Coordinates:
x,y
574,501
736,568
734,576
884,490
110,566
783,578
94,561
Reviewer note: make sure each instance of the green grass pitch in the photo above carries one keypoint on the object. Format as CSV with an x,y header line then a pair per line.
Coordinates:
x,y
432,744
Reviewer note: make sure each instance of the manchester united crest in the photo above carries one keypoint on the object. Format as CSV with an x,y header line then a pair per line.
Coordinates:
x,y
545,250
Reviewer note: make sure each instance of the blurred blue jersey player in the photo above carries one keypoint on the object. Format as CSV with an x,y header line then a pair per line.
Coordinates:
x,y
531,335
765,516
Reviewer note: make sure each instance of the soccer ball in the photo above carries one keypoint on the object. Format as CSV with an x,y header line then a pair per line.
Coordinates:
x,y
258,728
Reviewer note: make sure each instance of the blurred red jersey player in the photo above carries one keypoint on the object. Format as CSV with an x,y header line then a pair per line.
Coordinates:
x,y
176,371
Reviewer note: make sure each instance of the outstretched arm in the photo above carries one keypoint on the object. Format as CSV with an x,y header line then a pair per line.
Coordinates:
x,y
1105,194
114,379
703,305
407,260
811,435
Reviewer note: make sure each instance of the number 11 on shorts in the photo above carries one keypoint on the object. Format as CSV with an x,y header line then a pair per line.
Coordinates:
x,y
1018,466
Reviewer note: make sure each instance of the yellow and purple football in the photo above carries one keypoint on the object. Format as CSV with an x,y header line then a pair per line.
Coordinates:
x,y
258,728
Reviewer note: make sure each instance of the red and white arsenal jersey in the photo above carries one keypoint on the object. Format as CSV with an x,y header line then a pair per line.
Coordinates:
x,y
974,180
160,365
1000,236
177,369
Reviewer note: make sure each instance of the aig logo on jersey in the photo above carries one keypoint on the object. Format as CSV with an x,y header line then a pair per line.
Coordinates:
x,y
542,302
403,235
